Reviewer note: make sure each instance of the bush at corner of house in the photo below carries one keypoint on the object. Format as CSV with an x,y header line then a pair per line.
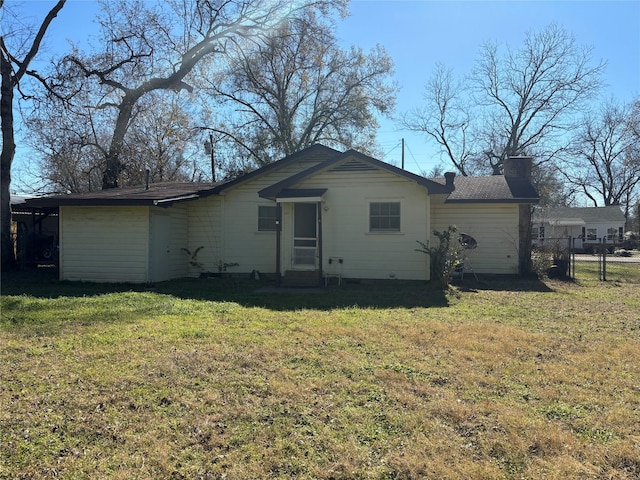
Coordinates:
x,y
445,257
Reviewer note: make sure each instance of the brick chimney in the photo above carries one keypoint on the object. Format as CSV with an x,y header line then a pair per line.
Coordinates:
x,y
449,177
518,167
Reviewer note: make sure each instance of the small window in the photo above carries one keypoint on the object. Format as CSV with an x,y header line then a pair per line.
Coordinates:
x,y
612,233
535,233
384,217
267,217
592,234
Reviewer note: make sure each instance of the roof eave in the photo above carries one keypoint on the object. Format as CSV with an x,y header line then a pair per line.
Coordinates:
x,y
494,200
112,202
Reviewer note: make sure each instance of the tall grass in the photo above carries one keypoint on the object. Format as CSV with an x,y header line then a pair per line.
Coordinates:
x,y
211,379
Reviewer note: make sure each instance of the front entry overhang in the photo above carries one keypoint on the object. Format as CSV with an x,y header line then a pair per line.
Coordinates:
x,y
292,196
300,195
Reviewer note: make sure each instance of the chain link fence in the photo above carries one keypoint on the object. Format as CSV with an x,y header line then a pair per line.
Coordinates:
x,y
557,257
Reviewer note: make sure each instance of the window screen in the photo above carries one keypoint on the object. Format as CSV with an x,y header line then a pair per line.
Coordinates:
x,y
267,218
384,217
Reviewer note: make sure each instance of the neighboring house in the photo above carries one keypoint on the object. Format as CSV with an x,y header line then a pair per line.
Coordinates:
x,y
314,214
586,226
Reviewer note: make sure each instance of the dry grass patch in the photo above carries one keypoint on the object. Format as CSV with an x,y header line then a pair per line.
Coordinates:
x,y
542,382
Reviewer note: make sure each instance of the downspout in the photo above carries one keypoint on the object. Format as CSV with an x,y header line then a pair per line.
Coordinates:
x,y
278,243
319,209
429,229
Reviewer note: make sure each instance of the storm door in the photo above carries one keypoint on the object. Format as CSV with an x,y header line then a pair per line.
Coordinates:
x,y
305,236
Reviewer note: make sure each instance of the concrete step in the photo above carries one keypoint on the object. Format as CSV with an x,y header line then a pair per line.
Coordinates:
x,y
301,278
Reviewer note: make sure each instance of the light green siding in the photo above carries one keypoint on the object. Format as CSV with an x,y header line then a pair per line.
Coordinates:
x,y
178,239
205,230
244,244
345,225
495,228
115,244
104,244
226,226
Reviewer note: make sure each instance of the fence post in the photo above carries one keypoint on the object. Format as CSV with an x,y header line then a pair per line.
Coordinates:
x,y
572,258
600,259
604,259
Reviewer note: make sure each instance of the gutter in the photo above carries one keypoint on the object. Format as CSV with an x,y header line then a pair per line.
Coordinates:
x,y
175,199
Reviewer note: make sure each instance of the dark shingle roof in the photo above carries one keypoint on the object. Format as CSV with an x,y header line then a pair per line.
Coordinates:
x,y
491,189
157,194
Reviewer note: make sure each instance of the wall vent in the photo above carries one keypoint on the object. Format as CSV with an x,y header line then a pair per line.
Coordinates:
x,y
354,166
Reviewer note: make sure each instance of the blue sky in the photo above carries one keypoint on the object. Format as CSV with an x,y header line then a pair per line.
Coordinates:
x,y
420,34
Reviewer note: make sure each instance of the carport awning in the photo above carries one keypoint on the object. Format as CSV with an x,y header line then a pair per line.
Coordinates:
x,y
292,195
567,222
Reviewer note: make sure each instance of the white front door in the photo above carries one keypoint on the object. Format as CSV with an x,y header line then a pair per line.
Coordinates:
x,y
305,236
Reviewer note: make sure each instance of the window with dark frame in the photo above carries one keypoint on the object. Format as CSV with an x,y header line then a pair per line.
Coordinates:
x,y
384,217
267,217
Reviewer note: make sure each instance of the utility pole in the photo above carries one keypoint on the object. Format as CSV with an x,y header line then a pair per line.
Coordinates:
x,y
208,149
403,154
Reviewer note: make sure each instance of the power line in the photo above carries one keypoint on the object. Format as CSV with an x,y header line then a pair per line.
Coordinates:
x,y
397,144
412,156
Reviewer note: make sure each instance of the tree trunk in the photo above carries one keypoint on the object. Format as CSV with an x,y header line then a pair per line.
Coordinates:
x,y
10,80
113,166
111,171
8,259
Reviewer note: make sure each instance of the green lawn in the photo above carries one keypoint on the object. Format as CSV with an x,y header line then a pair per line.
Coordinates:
x,y
215,379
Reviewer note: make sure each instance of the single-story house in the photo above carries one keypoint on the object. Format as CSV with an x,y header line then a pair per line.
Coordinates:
x,y
318,213
586,226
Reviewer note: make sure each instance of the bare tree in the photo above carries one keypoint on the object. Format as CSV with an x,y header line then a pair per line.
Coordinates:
x,y
520,102
605,161
14,65
445,119
72,143
297,88
162,140
151,47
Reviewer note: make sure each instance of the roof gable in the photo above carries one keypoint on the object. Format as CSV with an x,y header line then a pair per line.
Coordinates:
x,y
312,155
350,161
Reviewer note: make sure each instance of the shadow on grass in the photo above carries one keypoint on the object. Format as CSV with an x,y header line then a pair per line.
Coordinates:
x,y
250,293
504,284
